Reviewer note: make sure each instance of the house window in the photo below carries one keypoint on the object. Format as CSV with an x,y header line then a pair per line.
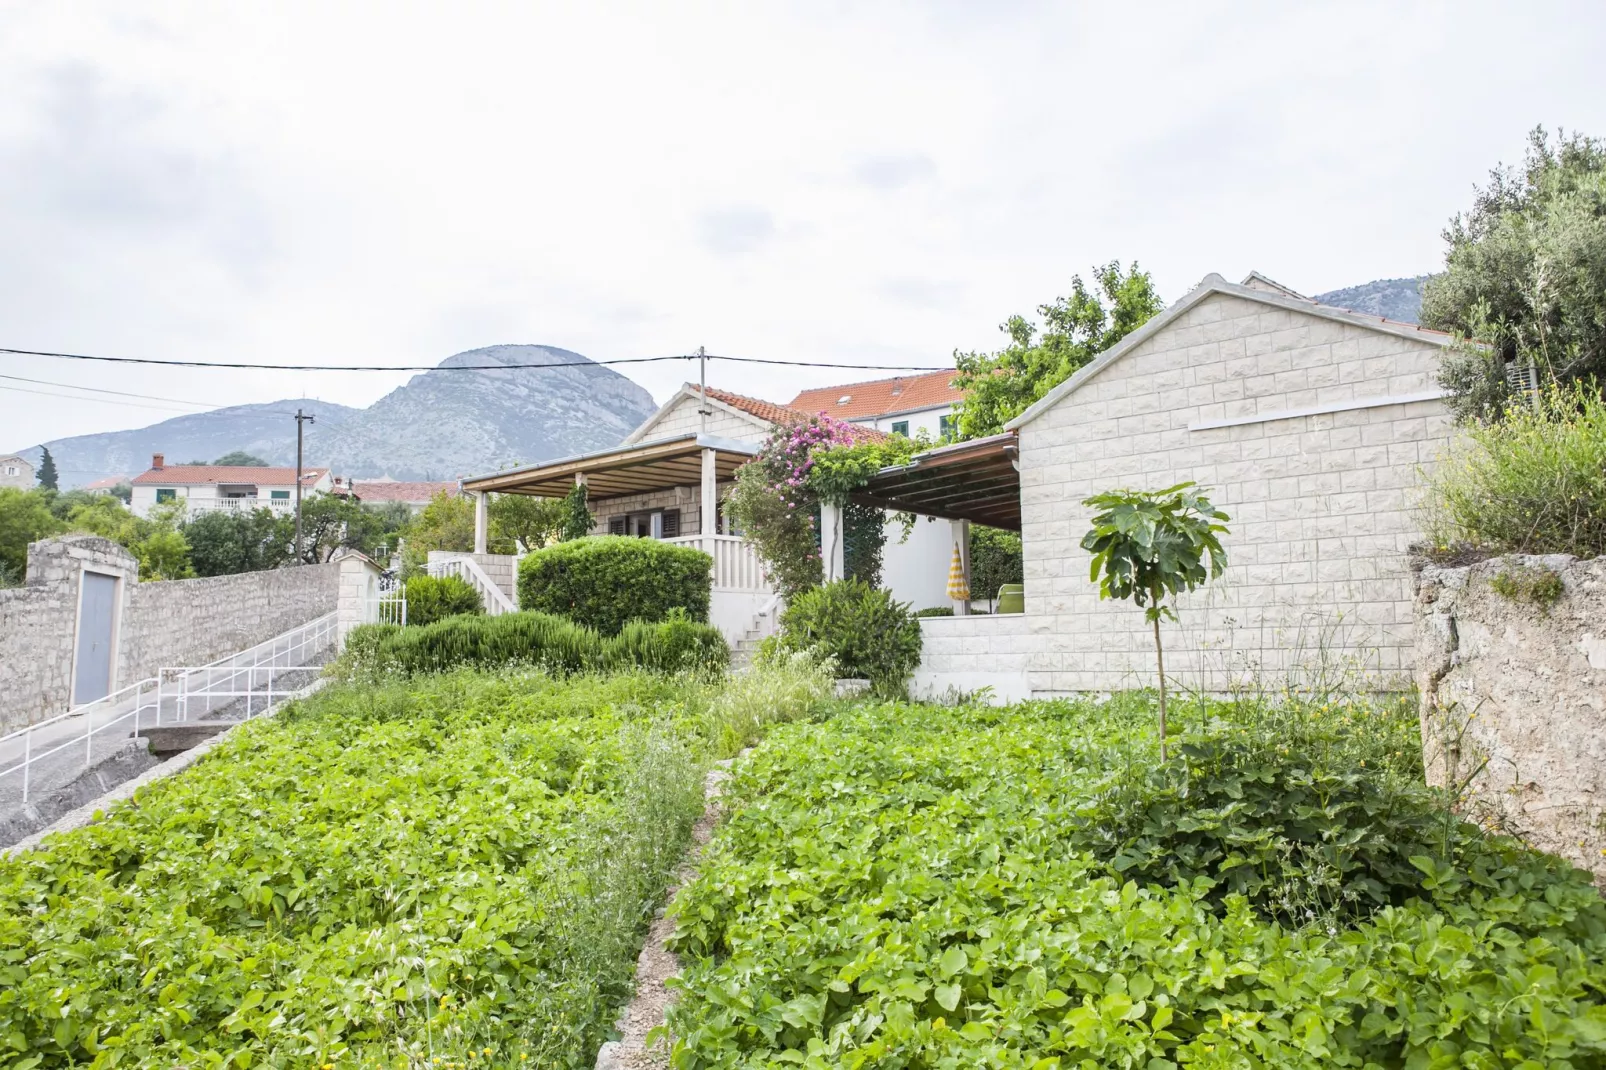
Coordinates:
x,y
900,427
11,469
279,495
946,426
657,524
165,494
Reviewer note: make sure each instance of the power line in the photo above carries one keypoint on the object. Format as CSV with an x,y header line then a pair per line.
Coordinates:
x,y
468,367
102,401
119,393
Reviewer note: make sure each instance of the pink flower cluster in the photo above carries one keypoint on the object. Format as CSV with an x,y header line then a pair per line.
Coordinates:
x,y
789,454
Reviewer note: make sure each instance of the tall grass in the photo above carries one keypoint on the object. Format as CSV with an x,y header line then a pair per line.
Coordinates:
x,y
780,687
1533,482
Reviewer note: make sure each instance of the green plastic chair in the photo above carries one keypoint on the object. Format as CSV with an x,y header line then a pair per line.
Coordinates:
x,y
1012,598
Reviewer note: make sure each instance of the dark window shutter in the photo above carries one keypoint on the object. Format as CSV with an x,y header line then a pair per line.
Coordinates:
x,y
616,524
671,523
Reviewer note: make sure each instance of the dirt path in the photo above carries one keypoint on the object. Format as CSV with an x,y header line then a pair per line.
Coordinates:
x,y
656,963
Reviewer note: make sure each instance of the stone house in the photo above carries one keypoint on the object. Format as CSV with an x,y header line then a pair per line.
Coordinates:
x,y
1309,424
16,472
668,479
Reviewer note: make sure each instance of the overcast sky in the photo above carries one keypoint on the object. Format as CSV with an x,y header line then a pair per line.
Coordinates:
x,y
873,183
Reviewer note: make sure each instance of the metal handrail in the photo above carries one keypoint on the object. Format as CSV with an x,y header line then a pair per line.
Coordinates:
x,y
315,635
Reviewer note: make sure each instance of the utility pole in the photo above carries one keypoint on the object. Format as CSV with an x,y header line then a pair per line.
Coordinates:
x,y
302,418
702,388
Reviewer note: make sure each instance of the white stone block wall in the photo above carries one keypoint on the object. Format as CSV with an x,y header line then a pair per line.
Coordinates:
x,y
962,655
684,419
1321,505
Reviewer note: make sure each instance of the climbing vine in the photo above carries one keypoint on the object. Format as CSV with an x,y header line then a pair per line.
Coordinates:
x,y
777,498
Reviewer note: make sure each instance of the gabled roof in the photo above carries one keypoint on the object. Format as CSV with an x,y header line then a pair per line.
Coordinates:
x,y
203,474
882,397
109,483
1277,297
763,415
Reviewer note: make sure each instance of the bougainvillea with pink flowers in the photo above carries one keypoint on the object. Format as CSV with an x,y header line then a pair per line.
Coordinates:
x,y
776,500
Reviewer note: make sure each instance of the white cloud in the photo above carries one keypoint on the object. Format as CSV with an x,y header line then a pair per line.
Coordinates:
x,y
886,183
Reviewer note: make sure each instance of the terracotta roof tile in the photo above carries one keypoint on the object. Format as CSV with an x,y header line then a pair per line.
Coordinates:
x,y
879,397
199,474
783,414
374,490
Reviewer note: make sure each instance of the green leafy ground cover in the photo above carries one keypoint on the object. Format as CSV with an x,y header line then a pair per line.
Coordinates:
x,y
907,886
455,868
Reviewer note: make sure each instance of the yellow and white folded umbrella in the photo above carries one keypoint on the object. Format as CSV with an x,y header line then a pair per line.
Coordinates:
x,y
958,589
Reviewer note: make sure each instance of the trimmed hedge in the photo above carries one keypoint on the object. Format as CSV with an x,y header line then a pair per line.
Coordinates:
x,y
606,581
554,643
433,598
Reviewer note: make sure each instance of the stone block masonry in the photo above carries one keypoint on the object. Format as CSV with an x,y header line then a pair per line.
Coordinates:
x,y
172,622
1513,697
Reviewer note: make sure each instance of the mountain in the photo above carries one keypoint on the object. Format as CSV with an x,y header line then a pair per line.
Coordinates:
x,y
266,430
1395,299
440,425
446,424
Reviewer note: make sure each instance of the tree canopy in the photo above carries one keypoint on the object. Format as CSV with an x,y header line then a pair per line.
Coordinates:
x,y
242,459
1000,386
1525,274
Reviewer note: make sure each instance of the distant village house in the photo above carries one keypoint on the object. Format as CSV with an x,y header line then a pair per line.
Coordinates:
x,y
205,488
16,472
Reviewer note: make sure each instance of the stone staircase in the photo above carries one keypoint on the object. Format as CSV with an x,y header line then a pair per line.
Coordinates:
x,y
765,623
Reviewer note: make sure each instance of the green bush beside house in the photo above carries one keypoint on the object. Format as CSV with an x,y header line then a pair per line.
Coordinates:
x,y
605,581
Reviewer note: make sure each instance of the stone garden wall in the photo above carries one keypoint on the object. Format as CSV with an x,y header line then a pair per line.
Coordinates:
x,y
1511,666
174,622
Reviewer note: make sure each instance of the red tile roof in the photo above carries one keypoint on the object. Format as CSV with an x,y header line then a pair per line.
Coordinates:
x,y
905,393
376,490
196,474
106,484
782,414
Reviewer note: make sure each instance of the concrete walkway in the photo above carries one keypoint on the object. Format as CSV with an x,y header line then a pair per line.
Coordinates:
x,y
76,757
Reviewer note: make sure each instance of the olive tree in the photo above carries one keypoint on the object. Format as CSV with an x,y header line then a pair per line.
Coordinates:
x,y
1150,545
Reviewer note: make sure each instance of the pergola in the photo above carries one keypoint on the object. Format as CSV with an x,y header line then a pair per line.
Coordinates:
x,y
685,460
970,481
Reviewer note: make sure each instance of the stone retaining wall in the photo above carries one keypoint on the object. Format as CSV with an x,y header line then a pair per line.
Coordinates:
x,y
961,655
1513,693
173,622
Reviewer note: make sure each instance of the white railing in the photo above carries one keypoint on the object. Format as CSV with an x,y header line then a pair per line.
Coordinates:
x,y
465,568
237,505
386,609
736,564
169,696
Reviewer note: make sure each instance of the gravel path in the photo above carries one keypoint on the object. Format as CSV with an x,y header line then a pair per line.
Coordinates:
x,y
657,964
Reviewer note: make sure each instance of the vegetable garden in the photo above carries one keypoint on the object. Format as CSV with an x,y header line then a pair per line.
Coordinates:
x,y
451,869
919,887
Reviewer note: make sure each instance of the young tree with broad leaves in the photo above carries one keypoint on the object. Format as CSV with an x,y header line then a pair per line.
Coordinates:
x,y
1151,545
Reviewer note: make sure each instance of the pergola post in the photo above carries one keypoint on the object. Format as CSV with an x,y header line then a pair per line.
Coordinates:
x,y
961,533
710,499
832,551
482,520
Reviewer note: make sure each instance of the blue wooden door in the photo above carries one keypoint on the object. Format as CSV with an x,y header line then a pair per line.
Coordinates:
x,y
97,610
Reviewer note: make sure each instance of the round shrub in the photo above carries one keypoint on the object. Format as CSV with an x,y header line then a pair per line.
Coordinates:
x,y
858,626
433,598
606,581
674,645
